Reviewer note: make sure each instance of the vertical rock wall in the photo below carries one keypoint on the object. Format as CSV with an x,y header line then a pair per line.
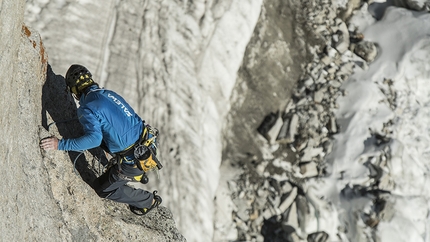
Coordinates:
x,y
28,211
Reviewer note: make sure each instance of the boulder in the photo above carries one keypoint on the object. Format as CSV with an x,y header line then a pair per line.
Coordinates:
x,y
366,50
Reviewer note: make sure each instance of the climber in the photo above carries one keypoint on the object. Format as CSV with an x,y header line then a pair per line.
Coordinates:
x,y
109,122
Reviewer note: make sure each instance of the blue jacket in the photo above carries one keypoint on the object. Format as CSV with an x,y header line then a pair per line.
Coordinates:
x,y
105,116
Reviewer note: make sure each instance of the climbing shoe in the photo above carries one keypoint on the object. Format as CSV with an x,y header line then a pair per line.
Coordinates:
x,y
143,211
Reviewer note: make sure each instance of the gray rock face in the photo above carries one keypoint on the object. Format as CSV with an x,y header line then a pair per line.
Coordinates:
x,y
418,5
26,197
279,170
42,198
366,50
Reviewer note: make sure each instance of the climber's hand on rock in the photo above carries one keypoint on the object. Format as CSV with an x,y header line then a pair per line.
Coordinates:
x,y
50,143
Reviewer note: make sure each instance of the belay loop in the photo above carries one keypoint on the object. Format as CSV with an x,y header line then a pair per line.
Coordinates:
x,y
142,152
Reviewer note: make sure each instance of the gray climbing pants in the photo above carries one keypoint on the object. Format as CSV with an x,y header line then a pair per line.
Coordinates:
x,y
112,185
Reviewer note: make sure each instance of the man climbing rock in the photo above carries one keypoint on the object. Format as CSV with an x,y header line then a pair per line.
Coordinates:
x,y
110,122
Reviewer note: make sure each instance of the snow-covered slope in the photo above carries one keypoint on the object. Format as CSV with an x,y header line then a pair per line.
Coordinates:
x,y
379,164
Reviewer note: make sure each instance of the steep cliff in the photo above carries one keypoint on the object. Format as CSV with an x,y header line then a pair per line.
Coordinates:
x,y
44,198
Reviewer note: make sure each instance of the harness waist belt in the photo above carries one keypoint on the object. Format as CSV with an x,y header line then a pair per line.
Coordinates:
x,y
129,150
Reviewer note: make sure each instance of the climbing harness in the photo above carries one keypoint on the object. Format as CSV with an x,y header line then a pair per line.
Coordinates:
x,y
144,152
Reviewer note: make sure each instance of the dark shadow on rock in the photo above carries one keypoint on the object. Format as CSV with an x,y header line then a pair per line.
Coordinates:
x,y
61,107
275,230
377,10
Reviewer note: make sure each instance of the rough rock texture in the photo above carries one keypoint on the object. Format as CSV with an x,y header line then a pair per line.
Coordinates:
x,y
43,199
418,5
26,195
272,200
274,59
